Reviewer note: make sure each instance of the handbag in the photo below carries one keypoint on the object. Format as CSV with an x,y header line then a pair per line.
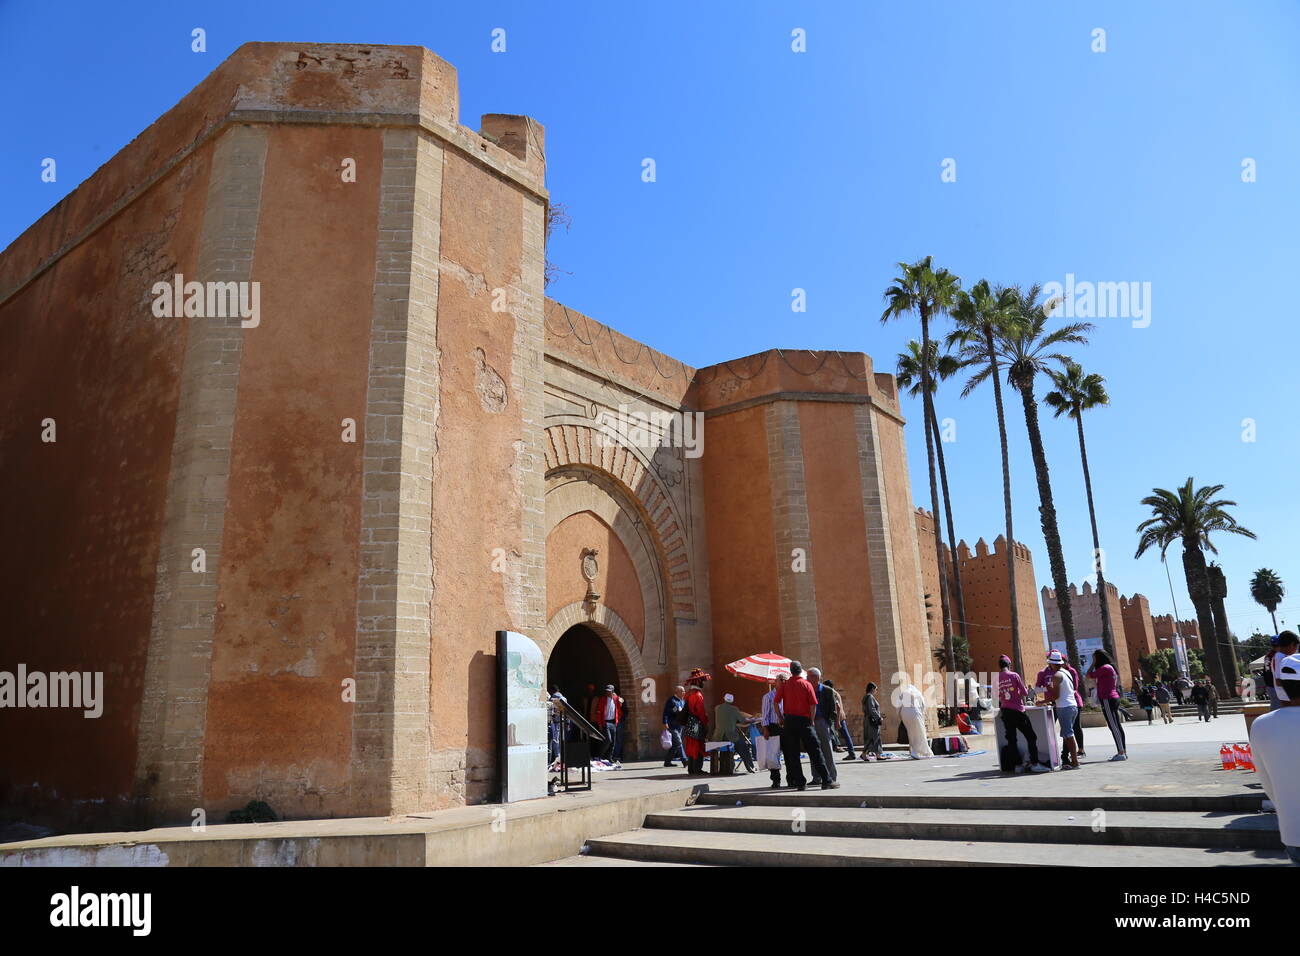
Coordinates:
x,y
693,729
666,740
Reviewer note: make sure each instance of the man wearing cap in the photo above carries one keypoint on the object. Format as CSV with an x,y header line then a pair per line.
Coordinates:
x,y
1275,748
1287,644
697,721
610,708
797,701
1060,693
729,723
1011,704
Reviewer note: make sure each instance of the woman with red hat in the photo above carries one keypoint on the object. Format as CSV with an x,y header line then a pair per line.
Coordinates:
x,y
696,730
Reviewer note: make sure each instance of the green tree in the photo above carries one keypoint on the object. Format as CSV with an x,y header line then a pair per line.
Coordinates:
x,y
1190,515
1159,664
1026,347
1257,645
1077,392
1267,590
942,367
929,292
981,316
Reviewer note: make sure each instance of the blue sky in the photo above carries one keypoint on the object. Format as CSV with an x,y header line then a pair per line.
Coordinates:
x,y
819,170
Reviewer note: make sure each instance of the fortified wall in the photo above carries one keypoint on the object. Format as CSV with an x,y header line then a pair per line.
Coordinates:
x,y
285,515
985,589
1086,611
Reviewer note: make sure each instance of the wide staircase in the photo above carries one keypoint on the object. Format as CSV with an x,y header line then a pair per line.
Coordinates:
x,y
1227,708
827,828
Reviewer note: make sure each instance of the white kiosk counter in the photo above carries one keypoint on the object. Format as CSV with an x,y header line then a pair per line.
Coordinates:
x,y
1043,720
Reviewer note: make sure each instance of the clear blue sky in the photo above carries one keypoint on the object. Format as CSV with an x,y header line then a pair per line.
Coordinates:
x,y
820,170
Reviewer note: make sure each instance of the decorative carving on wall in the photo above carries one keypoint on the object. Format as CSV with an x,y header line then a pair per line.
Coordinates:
x,y
590,569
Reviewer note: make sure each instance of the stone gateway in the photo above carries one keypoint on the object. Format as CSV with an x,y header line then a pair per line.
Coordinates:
x,y
517,466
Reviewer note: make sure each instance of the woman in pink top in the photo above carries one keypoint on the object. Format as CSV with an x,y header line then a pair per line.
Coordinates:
x,y
1108,697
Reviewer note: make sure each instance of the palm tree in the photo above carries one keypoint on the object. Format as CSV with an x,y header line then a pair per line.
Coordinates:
x,y
1025,346
928,292
942,367
980,316
1227,646
1075,394
1267,590
1191,516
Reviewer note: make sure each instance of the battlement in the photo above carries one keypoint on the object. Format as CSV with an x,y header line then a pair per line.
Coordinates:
x,y
321,84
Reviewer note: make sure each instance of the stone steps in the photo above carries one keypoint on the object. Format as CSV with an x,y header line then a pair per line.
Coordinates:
x,y
833,828
589,860
1233,831
761,849
1235,803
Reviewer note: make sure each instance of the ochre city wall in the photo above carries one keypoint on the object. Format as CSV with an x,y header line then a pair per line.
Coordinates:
x,y
285,632
337,654
82,515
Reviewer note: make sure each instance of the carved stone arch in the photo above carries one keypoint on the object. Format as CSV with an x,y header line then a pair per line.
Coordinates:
x,y
579,444
569,491
621,643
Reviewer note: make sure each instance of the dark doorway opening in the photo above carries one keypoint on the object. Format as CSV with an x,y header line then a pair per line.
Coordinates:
x,y
580,658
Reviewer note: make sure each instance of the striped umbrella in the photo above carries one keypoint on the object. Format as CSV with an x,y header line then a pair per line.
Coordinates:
x,y
760,667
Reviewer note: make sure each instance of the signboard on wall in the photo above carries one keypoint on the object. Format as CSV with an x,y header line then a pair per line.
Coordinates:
x,y
521,724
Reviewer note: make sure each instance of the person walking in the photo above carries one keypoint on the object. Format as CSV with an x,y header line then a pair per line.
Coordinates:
x,y
1275,748
1201,698
1182,688
911,710
1163,698
843,723
1011,707
1213,699
696,731
797,700
1060,693
674,717
769,754
871,721
1147,701
1103,672
730,724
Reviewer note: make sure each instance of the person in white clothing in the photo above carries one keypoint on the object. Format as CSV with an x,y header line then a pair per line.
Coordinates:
x,y
911,710
1060,693
1275,748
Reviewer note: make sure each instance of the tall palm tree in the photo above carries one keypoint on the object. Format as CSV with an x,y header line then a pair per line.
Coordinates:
x,y
980,316
1267,590
929,292
1076,393
942,367
1227,646
1191,516
1025,347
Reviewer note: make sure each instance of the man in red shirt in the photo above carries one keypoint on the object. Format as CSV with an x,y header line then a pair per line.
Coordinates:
x,y
796,700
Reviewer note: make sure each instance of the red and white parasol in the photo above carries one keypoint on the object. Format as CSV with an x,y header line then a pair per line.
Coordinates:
x,y
760,667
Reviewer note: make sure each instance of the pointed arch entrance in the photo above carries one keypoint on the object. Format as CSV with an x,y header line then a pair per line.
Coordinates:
x,y
595,646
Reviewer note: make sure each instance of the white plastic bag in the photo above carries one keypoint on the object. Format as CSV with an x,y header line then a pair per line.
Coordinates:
x,y
666,740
